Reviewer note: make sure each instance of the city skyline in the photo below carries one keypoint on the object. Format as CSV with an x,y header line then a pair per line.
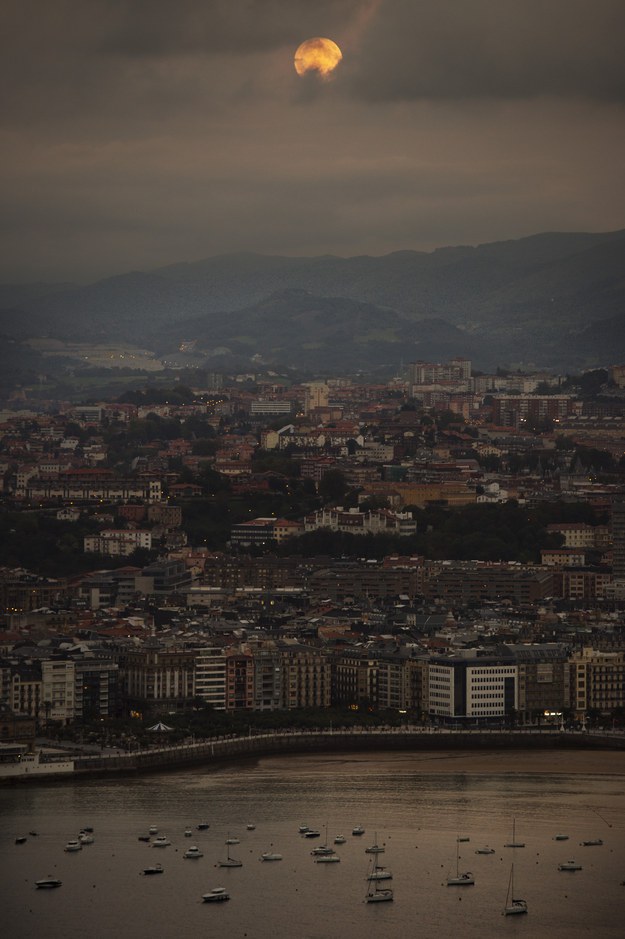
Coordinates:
x,y
132,142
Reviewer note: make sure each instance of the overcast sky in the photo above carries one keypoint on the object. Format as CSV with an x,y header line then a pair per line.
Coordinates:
x,y
137,133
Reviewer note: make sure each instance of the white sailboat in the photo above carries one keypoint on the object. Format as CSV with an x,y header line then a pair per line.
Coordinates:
x,y
514,843
465,879
229,861
514,905
375,893
323,850
378,872
375,848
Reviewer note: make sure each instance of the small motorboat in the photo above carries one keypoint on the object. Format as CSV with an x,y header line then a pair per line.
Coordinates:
x,y
188,833
485,850
153,869
33,834
569,866
303,829
270,856
161,842
340,839
193,852
85,838
462,838
327,859
312,833
48,883
202,826
358,830
21,839
591,842
560,837
251,827
72,846
217,895
232,841
144,838
153,830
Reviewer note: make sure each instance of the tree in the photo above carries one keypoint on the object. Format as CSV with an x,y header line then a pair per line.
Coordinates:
x,y
333,485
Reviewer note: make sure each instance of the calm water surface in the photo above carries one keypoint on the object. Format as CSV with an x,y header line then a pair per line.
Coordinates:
x,y
416,813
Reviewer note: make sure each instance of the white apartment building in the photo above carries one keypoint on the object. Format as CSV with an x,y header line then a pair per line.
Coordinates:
x,y
210,677
58,690
117,542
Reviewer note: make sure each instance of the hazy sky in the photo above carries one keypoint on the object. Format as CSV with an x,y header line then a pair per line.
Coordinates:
x,y
136,133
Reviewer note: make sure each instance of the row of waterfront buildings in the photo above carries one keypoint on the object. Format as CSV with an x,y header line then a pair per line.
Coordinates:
x,y
520,682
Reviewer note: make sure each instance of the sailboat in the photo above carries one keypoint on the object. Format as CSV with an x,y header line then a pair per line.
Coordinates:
x,y
514,906
378,872
375,848
465,879
324,850
230,861
514,843
375,893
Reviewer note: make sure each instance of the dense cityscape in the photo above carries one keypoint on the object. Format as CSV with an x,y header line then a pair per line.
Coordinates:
x,y
312,469
446,547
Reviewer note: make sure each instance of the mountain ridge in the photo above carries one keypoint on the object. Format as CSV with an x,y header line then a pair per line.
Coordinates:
x,y
528,300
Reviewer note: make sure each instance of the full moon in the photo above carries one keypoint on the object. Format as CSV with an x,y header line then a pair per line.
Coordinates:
x,y
317,55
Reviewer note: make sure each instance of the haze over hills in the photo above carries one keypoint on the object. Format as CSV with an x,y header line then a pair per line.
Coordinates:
x,y
551,300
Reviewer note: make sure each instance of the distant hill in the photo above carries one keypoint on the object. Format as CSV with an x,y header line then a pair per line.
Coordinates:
x,y
554,300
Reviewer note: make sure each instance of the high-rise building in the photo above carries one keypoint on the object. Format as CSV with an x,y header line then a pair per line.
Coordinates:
x,y
317,395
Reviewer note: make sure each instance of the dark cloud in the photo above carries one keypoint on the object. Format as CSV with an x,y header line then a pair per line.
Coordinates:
x,y
136,134
223,26
70,59
458,49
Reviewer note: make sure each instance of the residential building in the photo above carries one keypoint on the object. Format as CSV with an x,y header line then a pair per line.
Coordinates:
x,y
307,677
355,680
58,691
355,522
210,677
268,679
97,692
544,680
119,542
597,681
158,678
239,681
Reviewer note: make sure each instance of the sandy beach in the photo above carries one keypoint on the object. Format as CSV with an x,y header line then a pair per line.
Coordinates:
x,y
488,762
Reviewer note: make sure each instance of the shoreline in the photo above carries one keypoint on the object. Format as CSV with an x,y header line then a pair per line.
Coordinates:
x,y
463,762
486,753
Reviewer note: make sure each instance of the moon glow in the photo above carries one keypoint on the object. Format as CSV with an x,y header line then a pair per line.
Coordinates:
x,y
317,55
